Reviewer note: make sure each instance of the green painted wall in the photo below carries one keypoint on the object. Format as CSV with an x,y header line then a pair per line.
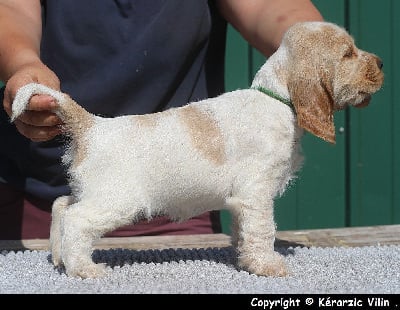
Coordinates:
x,y
374,155
355,182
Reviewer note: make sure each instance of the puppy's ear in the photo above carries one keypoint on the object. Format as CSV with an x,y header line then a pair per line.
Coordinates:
x,y
313,103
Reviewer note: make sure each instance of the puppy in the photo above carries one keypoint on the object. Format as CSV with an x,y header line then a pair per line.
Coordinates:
x,y
237,151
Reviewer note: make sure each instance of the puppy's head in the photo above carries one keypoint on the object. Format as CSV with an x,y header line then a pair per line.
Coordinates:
x,y
327,72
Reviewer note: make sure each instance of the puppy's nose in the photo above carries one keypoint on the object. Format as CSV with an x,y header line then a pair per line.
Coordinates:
x,y
379,63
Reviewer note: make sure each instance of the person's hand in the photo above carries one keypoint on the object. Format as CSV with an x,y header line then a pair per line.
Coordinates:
x,y
37,123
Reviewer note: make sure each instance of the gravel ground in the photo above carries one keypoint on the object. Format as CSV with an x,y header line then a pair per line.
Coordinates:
x,y
373,270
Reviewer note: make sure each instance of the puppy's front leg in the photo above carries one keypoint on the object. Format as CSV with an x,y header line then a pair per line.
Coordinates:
x,y
255,238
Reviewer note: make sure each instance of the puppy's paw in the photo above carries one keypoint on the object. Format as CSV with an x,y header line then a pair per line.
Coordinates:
x,y
55,250
56,258
91,270
272,265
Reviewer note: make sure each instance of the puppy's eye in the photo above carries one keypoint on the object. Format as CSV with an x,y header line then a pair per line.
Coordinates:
x,y
349,53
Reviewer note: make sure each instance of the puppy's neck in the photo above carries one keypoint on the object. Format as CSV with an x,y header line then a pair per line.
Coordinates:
x,y
273,75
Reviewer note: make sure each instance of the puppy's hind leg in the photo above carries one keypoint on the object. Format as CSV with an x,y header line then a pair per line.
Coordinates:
x,y
81,227
83,223
58,209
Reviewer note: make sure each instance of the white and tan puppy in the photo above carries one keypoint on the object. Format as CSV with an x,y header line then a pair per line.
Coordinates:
x,y
237,151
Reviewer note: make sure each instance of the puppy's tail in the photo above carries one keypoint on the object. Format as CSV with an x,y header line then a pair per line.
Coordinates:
x,y
74,117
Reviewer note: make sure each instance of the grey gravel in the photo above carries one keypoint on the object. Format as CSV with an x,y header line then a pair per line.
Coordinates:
x,y
373,269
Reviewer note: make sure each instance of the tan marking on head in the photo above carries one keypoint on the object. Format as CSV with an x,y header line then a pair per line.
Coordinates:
x,y
204,132
326,72
314,108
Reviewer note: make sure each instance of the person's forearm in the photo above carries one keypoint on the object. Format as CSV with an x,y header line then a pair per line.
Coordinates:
x,y
263,22
20,35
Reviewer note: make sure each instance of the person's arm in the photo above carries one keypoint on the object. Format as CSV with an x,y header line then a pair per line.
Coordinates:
x,y
20,35
263,22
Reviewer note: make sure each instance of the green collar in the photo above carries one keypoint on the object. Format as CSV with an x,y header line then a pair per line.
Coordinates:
x,y
270,93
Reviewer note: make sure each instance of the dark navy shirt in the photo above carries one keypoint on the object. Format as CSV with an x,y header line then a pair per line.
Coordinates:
x,y
117,57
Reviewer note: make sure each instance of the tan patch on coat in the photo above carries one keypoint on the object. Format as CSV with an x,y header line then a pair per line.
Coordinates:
x,y
205,134
81,151
146,120
77,122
